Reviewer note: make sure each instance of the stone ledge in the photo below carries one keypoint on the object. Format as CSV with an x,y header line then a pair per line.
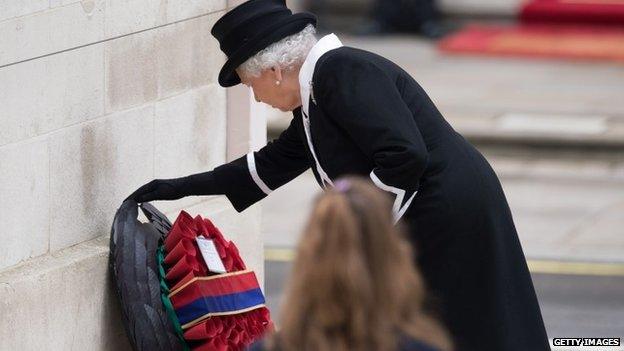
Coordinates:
x,y
62,301
525,129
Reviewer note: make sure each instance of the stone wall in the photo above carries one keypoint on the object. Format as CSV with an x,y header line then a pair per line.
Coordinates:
x,y
96,98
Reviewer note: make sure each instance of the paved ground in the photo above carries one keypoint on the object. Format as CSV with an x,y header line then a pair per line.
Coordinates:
x,y
572,306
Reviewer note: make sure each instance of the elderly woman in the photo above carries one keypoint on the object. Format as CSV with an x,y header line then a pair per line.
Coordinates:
x,y
355,112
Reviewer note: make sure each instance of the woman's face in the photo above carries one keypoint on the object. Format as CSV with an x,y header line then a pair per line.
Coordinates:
x,y
284,96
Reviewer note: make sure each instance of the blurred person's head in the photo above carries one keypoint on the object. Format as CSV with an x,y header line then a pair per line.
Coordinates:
x,y
273,73
354,285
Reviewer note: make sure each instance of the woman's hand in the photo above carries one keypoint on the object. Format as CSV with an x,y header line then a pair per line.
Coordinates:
x,y
160,189
177,188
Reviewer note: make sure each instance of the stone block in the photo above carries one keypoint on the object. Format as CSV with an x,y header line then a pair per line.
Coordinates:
x,y
187,56
181,9
247,122
128,16
207,57
63,301
57,3
123,16
190,132
10,9
24,201
189,137
174,58
51,31
161,63
43,95
93,167
24,37
131,77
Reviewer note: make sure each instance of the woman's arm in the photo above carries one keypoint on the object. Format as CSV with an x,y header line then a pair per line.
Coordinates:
x,y
362,99
245,180
252,177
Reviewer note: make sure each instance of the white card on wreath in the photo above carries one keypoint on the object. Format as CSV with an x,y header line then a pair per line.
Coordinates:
x,y
210,255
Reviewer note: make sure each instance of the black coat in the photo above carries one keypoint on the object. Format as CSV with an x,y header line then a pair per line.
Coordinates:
x,y
369,117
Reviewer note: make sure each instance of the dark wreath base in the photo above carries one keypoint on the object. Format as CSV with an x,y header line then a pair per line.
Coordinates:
x,y
134,269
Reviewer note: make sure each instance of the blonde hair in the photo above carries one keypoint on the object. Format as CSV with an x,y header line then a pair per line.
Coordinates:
x,y
353,284
286,53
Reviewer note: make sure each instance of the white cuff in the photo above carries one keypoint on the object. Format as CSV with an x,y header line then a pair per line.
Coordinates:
x,y
251,164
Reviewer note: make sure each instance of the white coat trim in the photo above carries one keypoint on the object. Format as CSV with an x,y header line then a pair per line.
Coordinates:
x,y
251,164
405,207
324,177
325,44
397,209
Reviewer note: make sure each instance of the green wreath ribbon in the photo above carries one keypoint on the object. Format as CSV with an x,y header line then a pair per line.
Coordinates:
x,y
164,295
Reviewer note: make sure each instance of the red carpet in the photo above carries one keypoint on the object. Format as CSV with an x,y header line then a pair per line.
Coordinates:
x,y
572,29
604,12
537,40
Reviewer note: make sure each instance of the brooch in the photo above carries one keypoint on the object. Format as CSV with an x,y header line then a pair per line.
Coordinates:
x,y
312,92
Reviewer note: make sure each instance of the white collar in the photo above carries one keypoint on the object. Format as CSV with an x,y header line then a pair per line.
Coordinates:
x,y
325,44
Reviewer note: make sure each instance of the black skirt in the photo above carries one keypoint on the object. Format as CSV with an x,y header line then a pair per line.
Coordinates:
x,y
468,250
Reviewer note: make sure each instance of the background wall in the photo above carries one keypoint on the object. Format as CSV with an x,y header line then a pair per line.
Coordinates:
x,y
96,98
480,8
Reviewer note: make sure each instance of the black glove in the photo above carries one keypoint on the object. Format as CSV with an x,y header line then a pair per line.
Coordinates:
x,y
176,188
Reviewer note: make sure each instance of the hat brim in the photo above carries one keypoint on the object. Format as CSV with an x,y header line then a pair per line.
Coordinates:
x,y
278,31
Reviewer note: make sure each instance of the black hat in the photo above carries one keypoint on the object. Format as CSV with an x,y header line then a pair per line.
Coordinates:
x,y
251,27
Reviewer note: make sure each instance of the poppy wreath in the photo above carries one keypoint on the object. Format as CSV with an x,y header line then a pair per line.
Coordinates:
x,y
210,311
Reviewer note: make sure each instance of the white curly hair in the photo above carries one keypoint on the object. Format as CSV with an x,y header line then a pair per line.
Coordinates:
x,y
286,53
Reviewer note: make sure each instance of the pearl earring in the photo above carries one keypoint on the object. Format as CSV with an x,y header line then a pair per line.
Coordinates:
x,y
277,82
